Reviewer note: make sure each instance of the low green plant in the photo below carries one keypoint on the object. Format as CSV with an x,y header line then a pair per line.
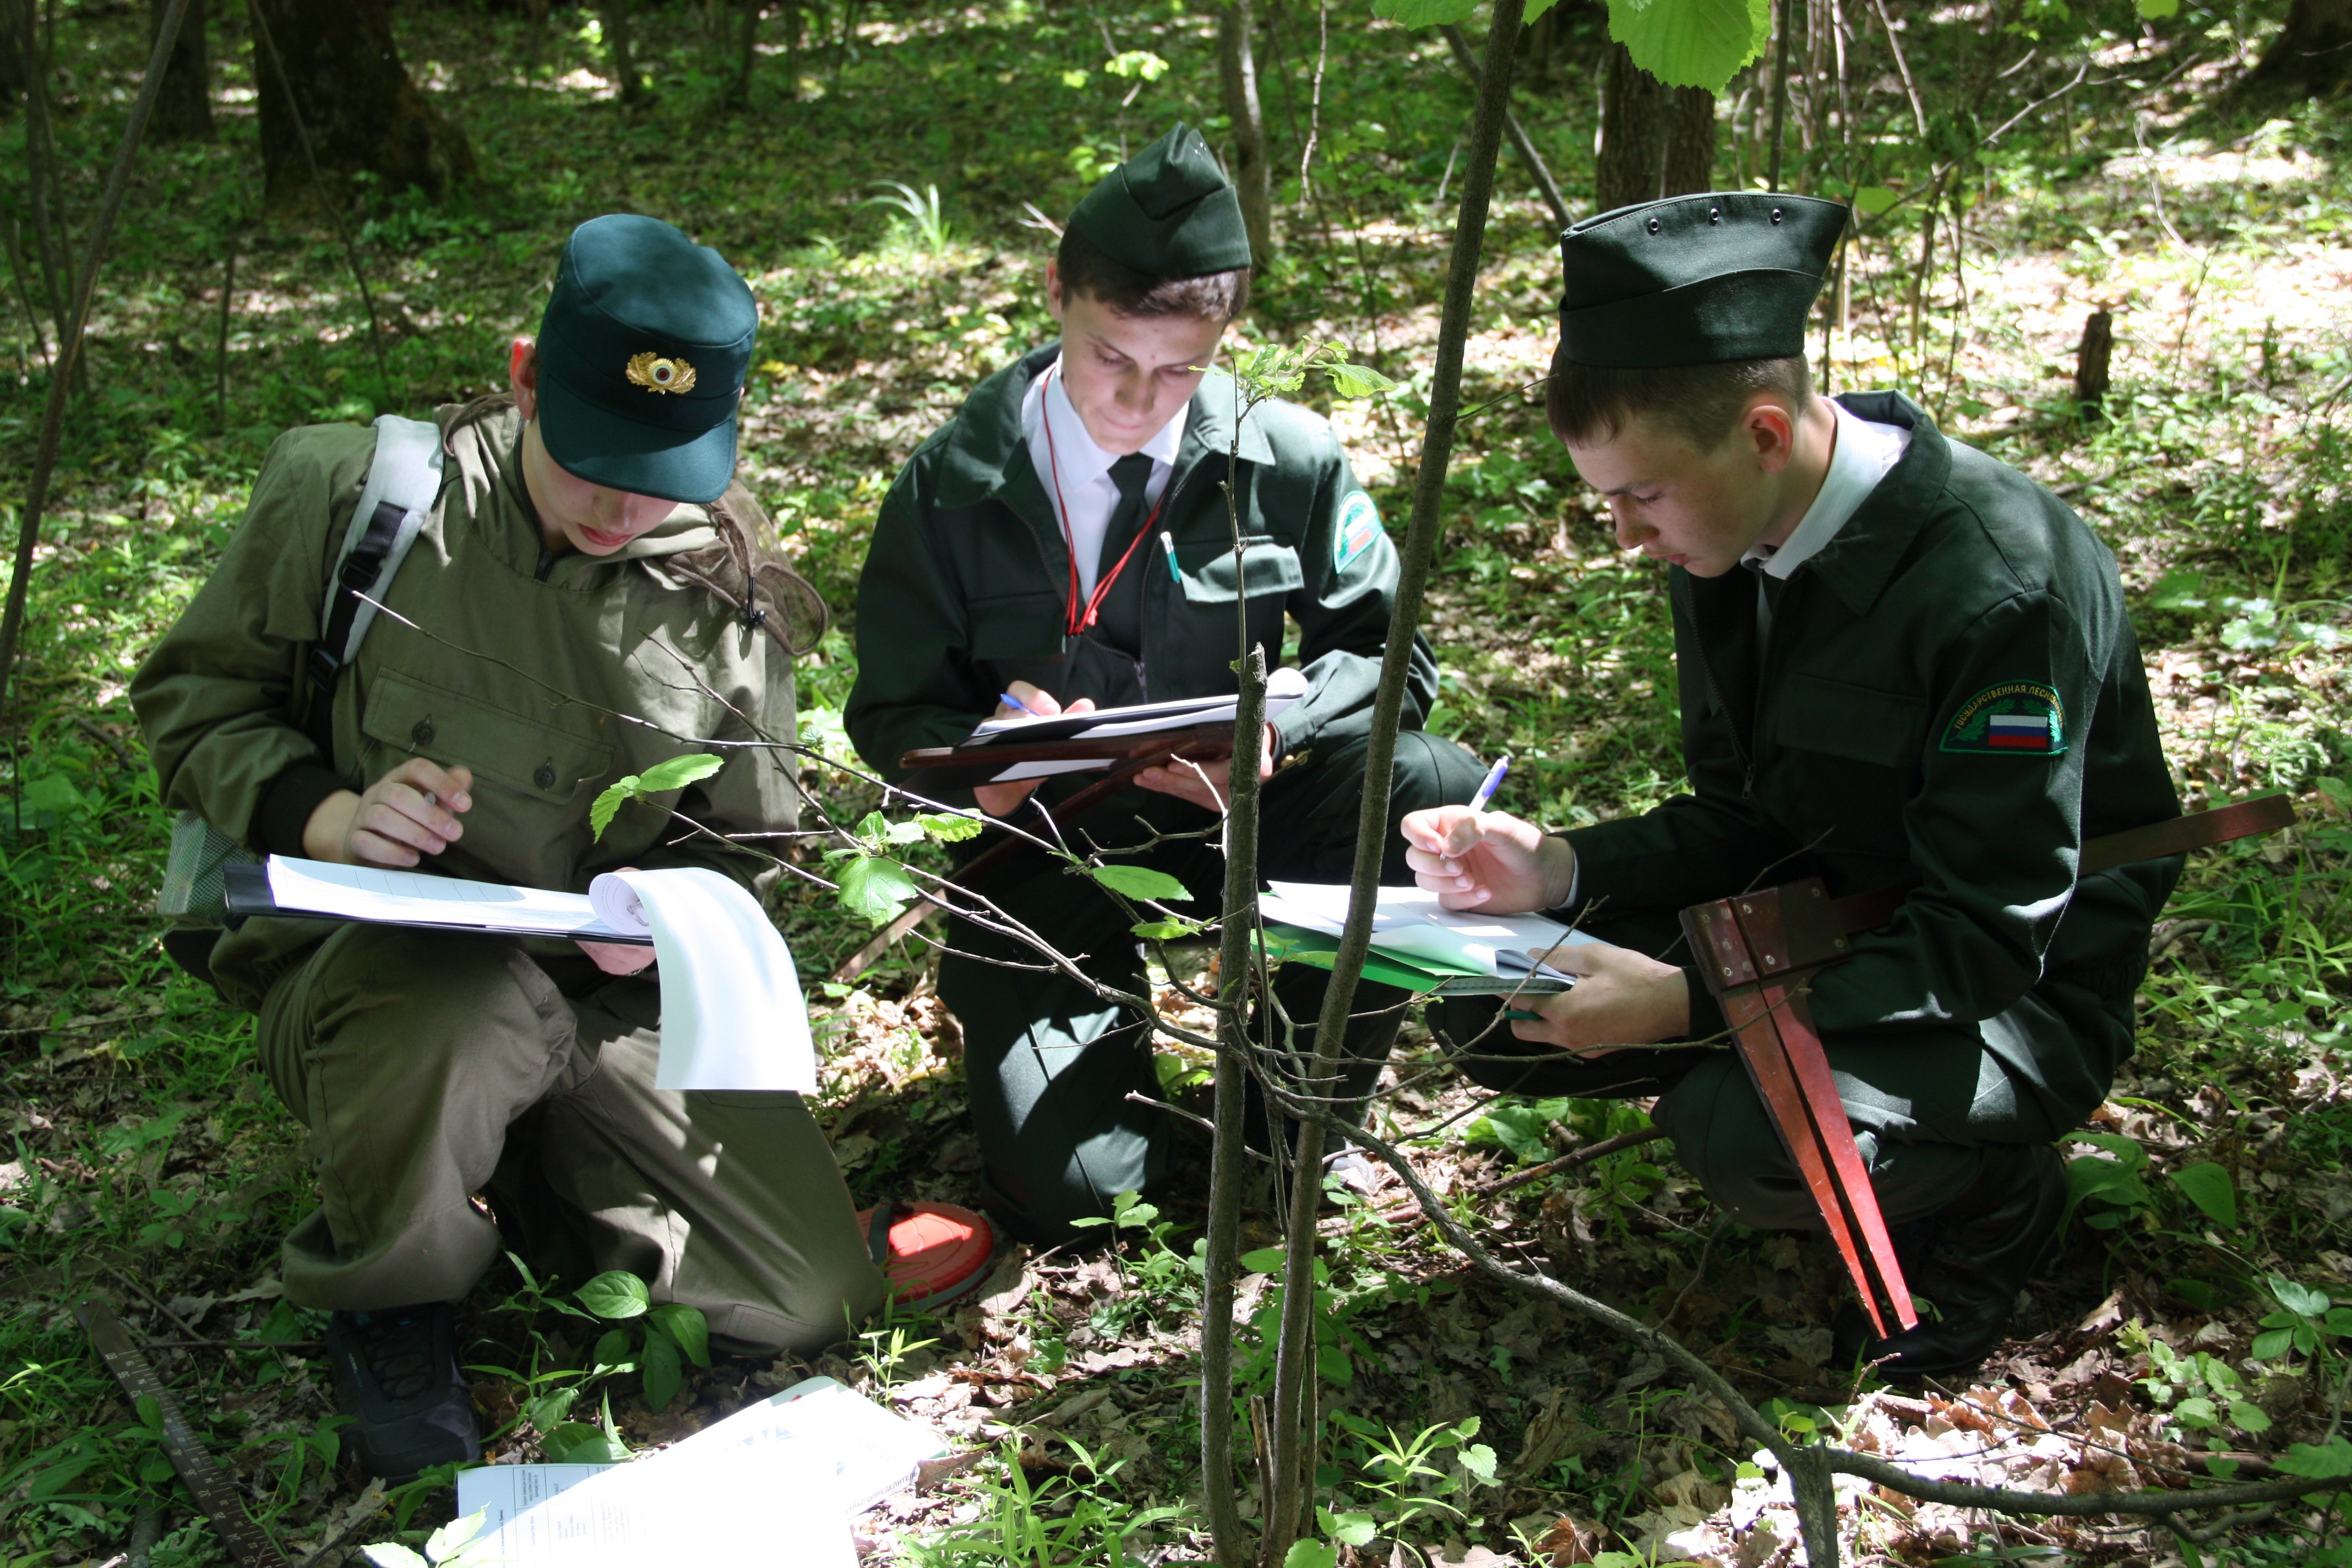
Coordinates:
x,y
459,1543
1157,1276
2201,1393
1398,1479
1060,1521
925,220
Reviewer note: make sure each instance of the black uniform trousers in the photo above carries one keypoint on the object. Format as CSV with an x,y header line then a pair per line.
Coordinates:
x,y
1050,1064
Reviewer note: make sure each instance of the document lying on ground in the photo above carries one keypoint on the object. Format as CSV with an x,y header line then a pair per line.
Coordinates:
x,y
810,1458
732,1014
1001,750
1419,943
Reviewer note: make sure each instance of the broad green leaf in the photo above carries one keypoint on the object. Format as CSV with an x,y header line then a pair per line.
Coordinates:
x,y
679,771
1358,380
1310,1554
1691,43
612,1352
2249,1417
2207,1185
1479,1460
1874,199
2197,1411
1332,1362
2296,1298
600,814
581,1443
688,1327
1139,882
948,827
615,1293
1165,930
390,1555
2127,1150
2318,1463
873,827
2158,10
445,1540
875,888
1265,1260
660,1367
1353,1529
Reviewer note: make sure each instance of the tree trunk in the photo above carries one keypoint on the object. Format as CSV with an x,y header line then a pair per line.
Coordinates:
x,y
747,53
329,75
185,111
615,15
1655,141
2311,56
12,57
1253,168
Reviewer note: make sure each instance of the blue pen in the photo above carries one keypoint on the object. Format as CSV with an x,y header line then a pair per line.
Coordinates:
x,y
1012,701
1493,782
1175,572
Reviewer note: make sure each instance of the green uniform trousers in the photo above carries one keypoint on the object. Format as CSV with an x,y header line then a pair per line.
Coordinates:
x,y
1050,1065
1929,1106
430,1067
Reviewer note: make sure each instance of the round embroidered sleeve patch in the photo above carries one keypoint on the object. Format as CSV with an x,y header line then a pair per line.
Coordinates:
x,y
1359,526
2015,716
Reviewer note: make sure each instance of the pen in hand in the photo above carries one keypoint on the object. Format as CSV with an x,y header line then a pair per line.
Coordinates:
x,y
1012,701
1493,782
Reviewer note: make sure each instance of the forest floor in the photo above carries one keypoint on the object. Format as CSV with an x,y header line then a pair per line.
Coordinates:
x,y
148,1163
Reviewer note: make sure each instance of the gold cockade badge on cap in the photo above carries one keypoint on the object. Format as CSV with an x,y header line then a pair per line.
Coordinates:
x,y
654,373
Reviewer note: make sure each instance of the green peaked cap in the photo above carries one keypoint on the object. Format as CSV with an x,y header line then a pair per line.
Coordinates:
x,y
1168,212
1730,275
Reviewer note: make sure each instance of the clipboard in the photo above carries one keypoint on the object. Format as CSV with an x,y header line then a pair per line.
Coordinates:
x,y
246,891
978,762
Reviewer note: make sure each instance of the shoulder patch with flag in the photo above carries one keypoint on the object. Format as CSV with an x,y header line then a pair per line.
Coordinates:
x,y
2016,716
1359,525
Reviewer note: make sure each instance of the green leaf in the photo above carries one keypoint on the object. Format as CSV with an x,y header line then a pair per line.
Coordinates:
x,y
1139,882
876,888
2157,10
1352,1529
1479,1460
2320,1464
617,1293
600,814
2197,1411
2209,1186
659,1365
581,1443
1310,1554
1165,930
1874,199
612,1352
679,771
949,827
2300,1299
1332,1362
2127,1151
2249,1417
688,1327
1265,1260
1423,13
445,1540
1358,380
389,1554
1691,43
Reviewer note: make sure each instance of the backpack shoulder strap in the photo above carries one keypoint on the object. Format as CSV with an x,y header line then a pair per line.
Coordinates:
x,y
402,484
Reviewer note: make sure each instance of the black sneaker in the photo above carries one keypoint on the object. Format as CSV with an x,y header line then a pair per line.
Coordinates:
x,y
396,1374
1980,1248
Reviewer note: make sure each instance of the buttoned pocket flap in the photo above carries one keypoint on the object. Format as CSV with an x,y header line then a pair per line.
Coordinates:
x,y
1268,567
508,747
1016,625
1816,713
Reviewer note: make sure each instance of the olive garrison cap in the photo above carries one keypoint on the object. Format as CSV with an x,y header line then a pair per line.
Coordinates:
x,y
1168,212
1701,279
641,359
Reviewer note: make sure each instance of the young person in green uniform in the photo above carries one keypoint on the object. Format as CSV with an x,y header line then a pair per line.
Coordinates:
x,y
589,537
1022,552
1901,662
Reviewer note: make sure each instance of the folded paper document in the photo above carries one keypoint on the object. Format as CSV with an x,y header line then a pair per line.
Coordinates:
x,y
1002,751
1419,943
732,1014
793,1468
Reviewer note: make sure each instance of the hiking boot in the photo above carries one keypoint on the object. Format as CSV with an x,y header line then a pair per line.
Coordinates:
x,y
396,1375
1978,1250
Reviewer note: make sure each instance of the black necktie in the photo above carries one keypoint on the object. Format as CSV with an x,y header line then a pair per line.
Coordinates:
x,y
1119,622
1770,591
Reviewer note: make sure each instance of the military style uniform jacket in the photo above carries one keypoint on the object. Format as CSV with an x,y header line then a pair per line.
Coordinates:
x,y
556,641
1951,696
965,588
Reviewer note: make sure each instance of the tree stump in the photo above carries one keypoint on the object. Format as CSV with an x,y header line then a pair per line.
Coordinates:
x,y
2090,357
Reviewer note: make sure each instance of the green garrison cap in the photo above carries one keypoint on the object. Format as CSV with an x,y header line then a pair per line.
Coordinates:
x,y
1168,212
641,359
1701,279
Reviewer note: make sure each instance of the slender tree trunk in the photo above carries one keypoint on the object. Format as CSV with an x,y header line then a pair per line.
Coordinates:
x,y
11,58
615,15
1655,141
1253,167
747,52
2311,56
185,111
1294,1369
334,68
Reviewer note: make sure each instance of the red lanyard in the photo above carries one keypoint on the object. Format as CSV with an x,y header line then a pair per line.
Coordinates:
x,y
1076,620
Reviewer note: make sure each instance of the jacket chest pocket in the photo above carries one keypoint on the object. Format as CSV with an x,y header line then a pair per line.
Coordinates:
x,y
540,766
1847,759
1265,567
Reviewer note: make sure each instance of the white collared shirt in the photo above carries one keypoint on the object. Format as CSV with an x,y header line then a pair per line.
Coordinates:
x,y
1863,453
1076,473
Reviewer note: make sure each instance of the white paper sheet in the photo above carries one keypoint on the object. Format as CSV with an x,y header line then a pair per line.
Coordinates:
x,y
374,893
732,1014
1411,922
719,1509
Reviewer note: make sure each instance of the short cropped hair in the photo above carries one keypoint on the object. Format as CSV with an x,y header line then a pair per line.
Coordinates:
x,y
1700,403
1085,269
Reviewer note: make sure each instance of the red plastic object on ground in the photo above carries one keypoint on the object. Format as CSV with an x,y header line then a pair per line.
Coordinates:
x,y
930,1253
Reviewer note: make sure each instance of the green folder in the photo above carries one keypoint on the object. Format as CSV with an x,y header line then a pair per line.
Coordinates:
x,y
1288,943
